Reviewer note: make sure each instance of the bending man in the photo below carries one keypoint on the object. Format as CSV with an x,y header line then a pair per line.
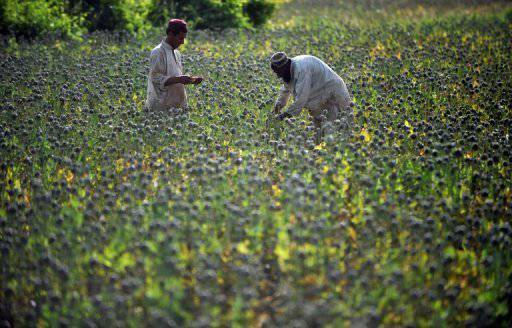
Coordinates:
x,y
166,82
315,86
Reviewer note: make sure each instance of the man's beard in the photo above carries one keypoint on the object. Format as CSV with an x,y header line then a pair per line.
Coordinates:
x,y
287,78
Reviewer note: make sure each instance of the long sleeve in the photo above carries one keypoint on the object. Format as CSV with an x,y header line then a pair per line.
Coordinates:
x,y
284,95
158,70
302,91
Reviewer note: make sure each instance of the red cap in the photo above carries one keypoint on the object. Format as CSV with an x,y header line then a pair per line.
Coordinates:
x,y
176,26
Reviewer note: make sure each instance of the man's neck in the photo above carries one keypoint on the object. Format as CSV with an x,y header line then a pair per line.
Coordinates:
x,y
170,45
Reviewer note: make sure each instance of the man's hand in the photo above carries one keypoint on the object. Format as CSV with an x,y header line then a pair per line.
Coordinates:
x,y
183,79
197,79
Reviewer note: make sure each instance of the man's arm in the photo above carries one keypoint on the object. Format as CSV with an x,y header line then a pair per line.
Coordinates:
x,y
282,99
185,80
303,89
157,72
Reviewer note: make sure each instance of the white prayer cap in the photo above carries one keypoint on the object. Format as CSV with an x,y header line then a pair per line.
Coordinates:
x,y
279,59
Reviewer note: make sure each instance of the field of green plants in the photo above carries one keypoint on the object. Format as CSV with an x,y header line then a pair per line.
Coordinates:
x,y
223,216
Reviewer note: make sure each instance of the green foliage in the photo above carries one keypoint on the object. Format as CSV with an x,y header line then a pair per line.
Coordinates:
x,y
161,11
72,17
113,14
258,11
101,14
37,17
213,14
508,15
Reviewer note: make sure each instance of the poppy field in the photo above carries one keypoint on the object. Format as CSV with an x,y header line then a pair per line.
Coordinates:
x,y
221,215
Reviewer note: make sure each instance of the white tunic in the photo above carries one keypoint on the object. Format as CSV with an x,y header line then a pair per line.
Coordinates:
x,y
165,62
313,83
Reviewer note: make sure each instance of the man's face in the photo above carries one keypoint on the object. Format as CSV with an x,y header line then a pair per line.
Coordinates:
x,y
177,40
276,70
282,72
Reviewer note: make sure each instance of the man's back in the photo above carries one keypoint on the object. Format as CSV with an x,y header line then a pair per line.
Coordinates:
x,y
321,80
320,72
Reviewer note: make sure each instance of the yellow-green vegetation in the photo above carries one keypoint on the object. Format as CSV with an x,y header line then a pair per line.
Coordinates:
x,y
222,216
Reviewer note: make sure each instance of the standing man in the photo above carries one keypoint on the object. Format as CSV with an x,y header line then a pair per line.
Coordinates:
x,y
315,86
166,82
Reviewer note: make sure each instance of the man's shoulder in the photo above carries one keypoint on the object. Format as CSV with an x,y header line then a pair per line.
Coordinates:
x,y
157,49
303,61
305,57
308,62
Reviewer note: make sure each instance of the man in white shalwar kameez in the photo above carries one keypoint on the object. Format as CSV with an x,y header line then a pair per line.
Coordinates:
x,y
166,82
315,86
